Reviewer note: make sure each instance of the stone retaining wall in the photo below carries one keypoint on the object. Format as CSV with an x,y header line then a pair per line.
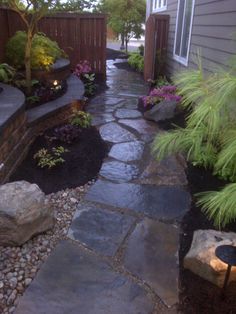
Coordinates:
x,y
17,134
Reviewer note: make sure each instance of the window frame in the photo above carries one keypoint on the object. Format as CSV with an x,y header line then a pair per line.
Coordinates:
x,y
157,8
184,61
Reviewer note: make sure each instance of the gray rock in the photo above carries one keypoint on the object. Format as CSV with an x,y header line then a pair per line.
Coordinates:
x,y
23,212
201,258
163,111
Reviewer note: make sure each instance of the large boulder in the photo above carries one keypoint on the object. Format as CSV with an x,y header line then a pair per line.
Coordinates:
x,y
201,258
162,111
24,212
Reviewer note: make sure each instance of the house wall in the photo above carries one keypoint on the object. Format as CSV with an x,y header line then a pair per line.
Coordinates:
x,y
214,27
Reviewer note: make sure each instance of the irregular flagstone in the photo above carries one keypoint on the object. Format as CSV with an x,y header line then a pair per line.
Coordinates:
x,y
106,100
119,171
127,113
101,109
99,229
169,171
102,119
152,255
114,133
140,125
130,151
130,103
160,202
74,281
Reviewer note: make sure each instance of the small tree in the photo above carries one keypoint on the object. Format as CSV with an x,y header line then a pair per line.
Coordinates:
x,y
31,12
125,17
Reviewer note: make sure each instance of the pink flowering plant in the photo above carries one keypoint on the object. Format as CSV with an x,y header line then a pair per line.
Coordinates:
x,y
156,95
82,68
83,71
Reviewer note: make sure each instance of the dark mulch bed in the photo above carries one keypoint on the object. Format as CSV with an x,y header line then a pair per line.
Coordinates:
x,y
115,54
82,162
198,296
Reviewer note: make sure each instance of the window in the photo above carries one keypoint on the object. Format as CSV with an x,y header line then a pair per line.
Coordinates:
x,y
159,5
183,30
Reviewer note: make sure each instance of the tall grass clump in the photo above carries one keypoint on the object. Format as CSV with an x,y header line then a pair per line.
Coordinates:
x,y
209,138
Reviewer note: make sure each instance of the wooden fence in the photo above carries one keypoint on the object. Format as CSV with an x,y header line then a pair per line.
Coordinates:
x,y
156,42
82,36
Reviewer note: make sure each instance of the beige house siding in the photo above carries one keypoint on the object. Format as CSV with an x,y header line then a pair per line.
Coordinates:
x,y
213,33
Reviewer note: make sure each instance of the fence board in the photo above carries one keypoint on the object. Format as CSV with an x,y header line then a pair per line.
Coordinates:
x,y
82,36
156,40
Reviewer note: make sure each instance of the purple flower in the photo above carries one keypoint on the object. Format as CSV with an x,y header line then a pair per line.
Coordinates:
x,y
169,89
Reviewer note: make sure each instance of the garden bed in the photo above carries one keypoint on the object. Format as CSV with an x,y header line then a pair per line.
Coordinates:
x,y
198,295
82,162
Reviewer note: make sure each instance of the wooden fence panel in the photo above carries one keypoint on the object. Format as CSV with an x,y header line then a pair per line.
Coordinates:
x,y
82,36
156,42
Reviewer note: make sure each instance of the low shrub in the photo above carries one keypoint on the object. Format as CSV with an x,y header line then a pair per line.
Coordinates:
x,y
81,119
67,133
136,61
7,73
43,54
50,159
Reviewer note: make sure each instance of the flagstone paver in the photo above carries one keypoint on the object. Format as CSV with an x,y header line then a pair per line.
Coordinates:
x,y
100,229
127,113
77,282
140,125
130,151
119,171
112,132
122,252
152,254
159,202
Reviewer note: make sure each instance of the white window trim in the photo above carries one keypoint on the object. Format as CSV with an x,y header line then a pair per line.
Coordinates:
x,y
161,9
179,59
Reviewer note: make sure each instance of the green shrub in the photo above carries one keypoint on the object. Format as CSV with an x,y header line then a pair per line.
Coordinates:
x,y
81,119
6,73
136,61
43,54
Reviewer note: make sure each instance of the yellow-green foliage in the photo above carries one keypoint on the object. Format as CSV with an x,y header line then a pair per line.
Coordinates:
x,y
209,138
43,54
136,61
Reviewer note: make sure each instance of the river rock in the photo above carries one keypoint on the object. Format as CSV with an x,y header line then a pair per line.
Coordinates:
x,y
201,258
24,212
164,110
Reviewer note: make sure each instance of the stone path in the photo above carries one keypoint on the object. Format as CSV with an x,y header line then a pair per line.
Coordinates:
x,y
121,255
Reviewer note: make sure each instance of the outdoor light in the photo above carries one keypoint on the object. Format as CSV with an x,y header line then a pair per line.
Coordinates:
x,y
227,254
56,85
